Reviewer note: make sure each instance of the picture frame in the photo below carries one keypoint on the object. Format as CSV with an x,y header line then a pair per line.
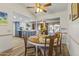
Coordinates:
x,y
75,11
3,18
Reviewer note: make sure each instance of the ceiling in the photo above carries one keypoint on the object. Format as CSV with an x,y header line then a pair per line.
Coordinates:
x,y
54,8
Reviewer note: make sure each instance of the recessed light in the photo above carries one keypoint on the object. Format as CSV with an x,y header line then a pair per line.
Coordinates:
x,y
14,17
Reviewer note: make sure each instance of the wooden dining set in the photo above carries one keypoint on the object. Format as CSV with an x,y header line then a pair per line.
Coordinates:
x,y
45,45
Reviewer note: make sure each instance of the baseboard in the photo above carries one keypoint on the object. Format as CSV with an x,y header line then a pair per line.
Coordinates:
x,y
6,50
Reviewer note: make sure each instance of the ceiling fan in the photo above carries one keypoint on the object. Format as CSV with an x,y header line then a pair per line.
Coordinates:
x,y
40,7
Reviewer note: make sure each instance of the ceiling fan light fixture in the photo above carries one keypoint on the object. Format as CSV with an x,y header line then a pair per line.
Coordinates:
x,y
39,10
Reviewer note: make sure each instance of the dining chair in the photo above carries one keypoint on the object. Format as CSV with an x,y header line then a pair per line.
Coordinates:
x,y
48,50
55,43
51,45
26,46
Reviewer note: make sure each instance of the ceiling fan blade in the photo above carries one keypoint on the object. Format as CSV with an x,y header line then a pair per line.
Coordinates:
x,y
45,11
29,7
38,5
48,4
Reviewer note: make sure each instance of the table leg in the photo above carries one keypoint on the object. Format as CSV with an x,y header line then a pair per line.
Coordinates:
x,y
42,51
36,50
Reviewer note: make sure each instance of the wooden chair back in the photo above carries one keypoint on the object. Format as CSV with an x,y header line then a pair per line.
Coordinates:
x,y
54,41
51,44
25,44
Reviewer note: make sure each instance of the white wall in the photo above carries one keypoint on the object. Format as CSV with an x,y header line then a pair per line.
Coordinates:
x,y
5,41
6,34
72,34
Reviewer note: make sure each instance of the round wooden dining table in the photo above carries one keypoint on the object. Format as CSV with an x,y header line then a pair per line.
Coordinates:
x,y
38,41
